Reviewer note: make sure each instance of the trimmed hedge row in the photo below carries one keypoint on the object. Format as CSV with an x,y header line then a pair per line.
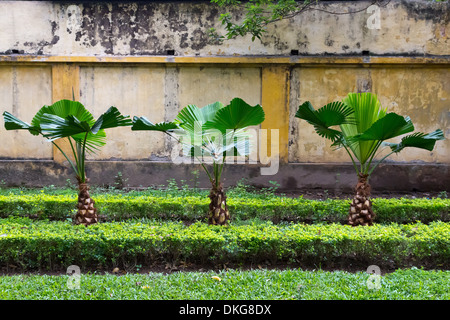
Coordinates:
x,y
192,208
56,245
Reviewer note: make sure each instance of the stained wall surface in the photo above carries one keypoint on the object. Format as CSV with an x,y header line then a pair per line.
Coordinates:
x,y
154,27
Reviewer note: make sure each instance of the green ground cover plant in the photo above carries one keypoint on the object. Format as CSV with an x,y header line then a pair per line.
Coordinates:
x,y
29,244
290,284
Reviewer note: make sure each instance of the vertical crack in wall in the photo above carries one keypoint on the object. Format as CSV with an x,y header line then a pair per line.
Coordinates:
x,y
364,83
171,102
294,103
15,91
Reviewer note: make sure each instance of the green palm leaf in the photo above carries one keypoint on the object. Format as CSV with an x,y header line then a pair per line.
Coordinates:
x,y
332,114
112,118
142,123
335,113
55,127
13,123
367,110
192,118
188,116
237,115
62,109
390,126
420,140
85,132
209,111
307,112
198,140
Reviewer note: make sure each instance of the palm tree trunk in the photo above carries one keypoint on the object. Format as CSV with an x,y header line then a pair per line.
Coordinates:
x,y
86,214
360,213
218,210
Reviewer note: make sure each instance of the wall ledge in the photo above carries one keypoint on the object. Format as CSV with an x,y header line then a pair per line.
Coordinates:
x,y
252,60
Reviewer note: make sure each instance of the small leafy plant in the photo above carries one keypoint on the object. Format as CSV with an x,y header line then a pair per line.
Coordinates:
x,y
66,119
209,134
365,127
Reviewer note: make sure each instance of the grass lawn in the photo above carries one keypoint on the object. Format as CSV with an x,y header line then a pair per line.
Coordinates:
x,y
291,284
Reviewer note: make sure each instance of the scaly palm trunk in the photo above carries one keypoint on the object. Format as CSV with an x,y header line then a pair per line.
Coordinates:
x,y
218,210
86,214
361,213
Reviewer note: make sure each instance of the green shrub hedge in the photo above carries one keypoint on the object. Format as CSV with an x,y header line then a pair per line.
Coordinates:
x,y
118,207
29,244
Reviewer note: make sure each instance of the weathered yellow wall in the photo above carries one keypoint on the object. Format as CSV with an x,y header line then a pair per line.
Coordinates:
x,y
23,91
158,93
422,93
159,90
203,85
116,54
135,91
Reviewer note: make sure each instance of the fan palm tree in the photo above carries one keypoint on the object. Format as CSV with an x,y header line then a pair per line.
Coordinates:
x,y
209,134
71,120
364,128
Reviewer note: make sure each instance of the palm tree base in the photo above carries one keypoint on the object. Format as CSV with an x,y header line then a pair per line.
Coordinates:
x,y
87,213
360,213
218,210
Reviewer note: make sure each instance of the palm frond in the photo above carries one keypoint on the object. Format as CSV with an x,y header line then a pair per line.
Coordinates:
x,y
55,127
13,123
367,110
93,142
142,123
237,115
335,114
332,114
190,118
389,126
209,111
112,118
62,109
420,140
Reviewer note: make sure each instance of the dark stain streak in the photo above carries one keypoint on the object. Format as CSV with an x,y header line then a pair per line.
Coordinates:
x,y
152,28
198,39
183,42
437,12
328,41
136,25
213,14
39,46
